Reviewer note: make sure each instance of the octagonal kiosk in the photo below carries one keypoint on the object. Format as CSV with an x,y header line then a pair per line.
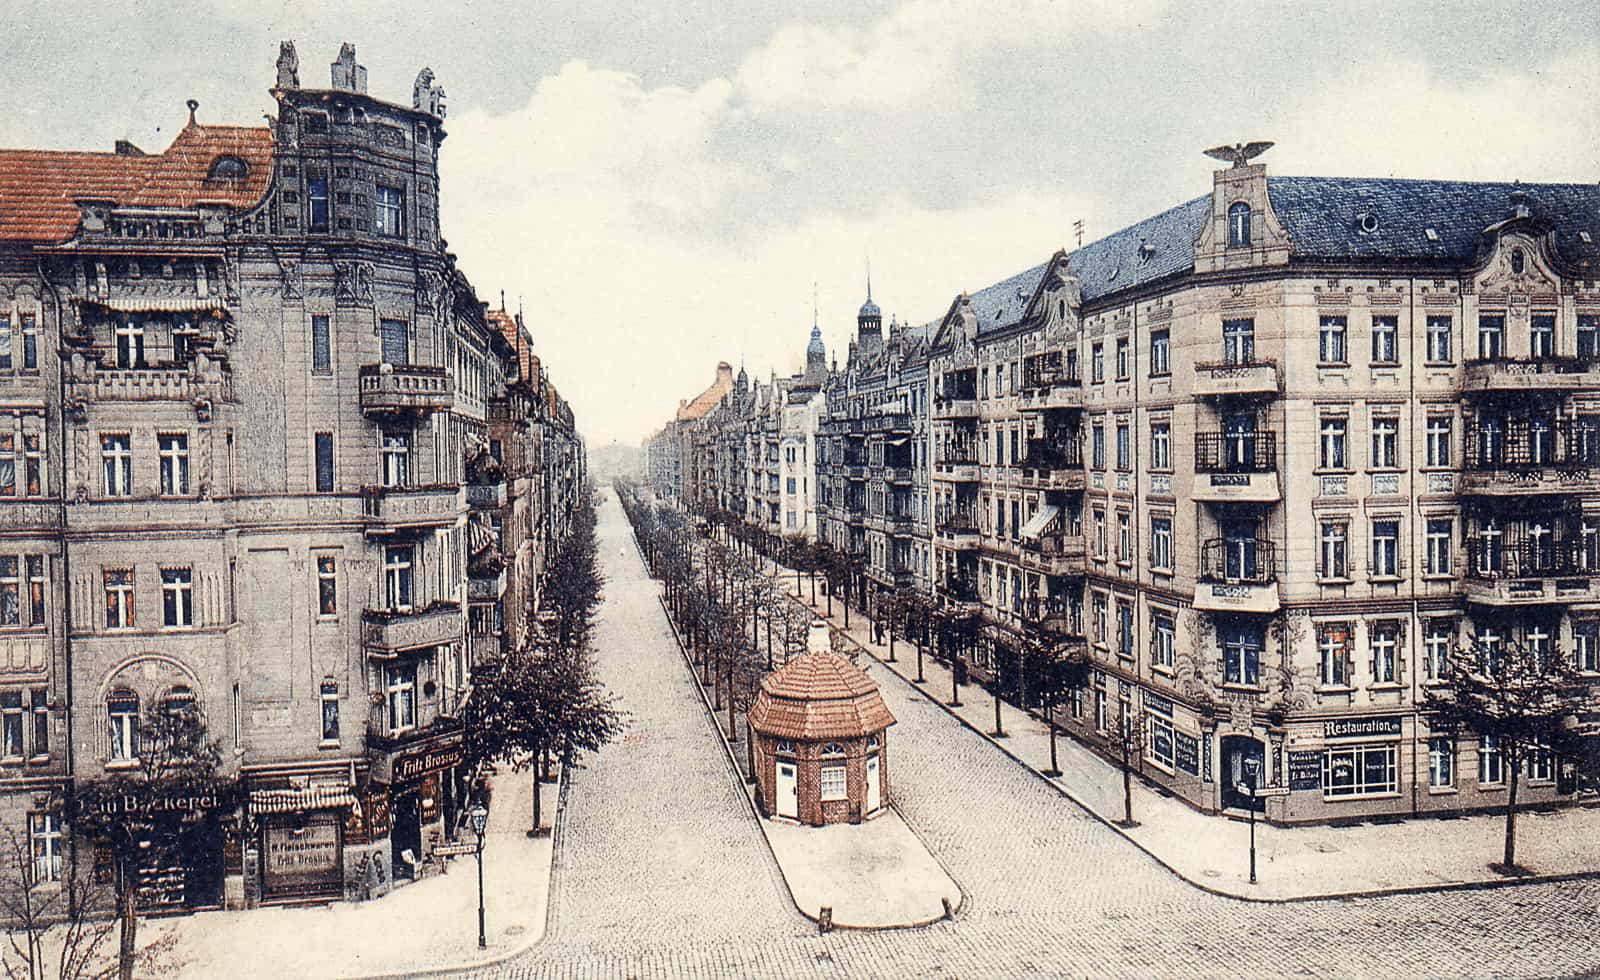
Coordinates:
x,y
821,742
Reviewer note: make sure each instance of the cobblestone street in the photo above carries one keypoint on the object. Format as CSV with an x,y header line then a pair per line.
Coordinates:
x,y
662,871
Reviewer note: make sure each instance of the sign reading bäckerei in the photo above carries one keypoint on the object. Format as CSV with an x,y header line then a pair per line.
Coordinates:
x,y
1361,727
195,803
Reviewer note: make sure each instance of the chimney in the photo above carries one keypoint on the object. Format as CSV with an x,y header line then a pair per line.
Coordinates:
x,y
124,148
725,374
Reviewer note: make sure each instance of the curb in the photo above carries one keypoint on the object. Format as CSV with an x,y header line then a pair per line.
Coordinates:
x,y
1536,879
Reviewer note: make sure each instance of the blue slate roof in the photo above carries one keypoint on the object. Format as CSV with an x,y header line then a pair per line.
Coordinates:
x,y
1323,218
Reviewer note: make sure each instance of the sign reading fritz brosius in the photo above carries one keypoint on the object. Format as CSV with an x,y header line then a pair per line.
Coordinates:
x,y
1361,727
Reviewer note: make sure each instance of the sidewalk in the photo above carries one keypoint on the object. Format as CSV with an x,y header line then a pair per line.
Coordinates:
x,y
1212,851
874,875
426,926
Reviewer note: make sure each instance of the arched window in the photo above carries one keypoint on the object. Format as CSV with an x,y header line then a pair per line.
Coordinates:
x,y
179,699
122,724
1238,225
786,747
833,748
873,741
228,168
1518,263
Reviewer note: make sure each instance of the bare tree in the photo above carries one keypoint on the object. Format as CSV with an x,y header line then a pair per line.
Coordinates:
x,y
56,915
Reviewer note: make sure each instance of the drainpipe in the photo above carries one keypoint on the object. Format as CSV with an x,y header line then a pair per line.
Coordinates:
x,y
1416,565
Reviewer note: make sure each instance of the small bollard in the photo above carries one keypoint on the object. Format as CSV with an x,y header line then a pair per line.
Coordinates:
x,y
825,919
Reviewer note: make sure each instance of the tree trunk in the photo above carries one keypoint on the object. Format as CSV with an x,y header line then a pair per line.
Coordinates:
x,y
127,940
1511,813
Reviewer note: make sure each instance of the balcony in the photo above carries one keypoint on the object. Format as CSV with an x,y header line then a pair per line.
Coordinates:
x,y
1513,375
486,588
1530,570
1527,456
897,474
959,469
960,595
388,633
1237,575
390,510
183,383
1047,388
1236,467
894,423
491,496
1054,616
1052,464
957,529
855,471
1054,554
415,390
1220,379
955,408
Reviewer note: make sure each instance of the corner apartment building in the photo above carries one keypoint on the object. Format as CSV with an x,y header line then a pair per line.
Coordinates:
x,y
244,378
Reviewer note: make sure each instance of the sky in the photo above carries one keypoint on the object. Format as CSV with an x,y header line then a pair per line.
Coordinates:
x,y
662,186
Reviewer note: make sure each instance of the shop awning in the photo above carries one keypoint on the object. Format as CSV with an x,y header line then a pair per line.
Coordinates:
x,y
296,800
154,304
1039,521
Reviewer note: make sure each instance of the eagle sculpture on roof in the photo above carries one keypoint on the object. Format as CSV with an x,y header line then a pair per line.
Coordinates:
x,y
1239,153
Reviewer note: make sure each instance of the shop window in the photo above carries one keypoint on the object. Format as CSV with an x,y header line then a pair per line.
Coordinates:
x,y
1161,738
833,783
1359,770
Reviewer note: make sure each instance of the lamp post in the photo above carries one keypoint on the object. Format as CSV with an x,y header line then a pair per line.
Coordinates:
x,y
479,816
1251,768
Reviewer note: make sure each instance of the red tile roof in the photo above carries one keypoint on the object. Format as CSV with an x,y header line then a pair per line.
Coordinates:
x,y
39,188
819,696
519,341
711,397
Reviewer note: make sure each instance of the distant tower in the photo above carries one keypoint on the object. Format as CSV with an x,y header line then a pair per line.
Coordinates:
x,y
869,322
816,357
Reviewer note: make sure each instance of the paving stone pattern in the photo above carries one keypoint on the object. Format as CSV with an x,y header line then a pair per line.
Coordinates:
x,y
662,871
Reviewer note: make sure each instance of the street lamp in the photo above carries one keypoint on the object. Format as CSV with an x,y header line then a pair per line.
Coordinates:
x,y
479,815
1252,768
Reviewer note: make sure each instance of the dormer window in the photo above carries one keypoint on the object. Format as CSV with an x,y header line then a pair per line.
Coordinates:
x,y
1518,263
228,168
1239,225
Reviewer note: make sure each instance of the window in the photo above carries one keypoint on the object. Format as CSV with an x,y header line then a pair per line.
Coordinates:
x,y
1385,340
1385,442
129,334
1097,363
1441,762
1160,353
1330,341
1541,764
1491,762
1359,770
1332,443
1586,645
1124,450
1125,627
44,839
5,342
119,598
324,452
1491,336
833,783
1542,335
1385,642
321,346
177,597
1160,445
397,459
394,340
1161,543
39,708
1439,329
1239,341
397,561
1241,655
1099,533
10,590
174,452
1162,633
1333,655
329,698
1098,444
1436,640
1123,367
789,485
1489,642
36,584
122,722
1440,531
11,725
1439,427
30,342
116,456
1385,548
1588,335
1100,618
1161,737
391,210
327,586
1124,539
400,692
1239,225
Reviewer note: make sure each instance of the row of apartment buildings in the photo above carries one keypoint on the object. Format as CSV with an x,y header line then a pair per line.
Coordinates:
x,y
1267,458
265,454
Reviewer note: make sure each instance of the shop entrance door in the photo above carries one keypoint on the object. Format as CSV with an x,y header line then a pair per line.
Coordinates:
x,y
874,785
406,837
788,797
1237,750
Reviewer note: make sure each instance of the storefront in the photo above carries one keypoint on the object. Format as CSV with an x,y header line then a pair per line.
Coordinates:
x,y
182,866
301,837
423,787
